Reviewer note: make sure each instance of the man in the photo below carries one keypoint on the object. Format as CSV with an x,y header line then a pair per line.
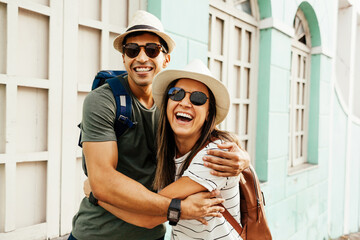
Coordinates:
x,y
121,170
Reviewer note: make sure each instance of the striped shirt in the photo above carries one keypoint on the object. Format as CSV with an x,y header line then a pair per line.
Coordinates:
x,y
218,228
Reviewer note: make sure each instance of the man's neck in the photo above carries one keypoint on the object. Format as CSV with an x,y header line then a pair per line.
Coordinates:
x,y
142,93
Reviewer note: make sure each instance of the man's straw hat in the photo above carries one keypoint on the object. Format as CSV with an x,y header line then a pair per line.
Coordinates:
x,y
144,22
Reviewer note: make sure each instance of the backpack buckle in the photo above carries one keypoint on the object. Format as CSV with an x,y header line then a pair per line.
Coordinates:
x,y
126,121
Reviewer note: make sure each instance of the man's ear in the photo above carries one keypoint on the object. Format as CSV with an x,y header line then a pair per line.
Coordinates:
x,y
123,57
166,60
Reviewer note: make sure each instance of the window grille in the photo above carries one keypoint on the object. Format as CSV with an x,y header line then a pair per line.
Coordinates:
x,y
299,92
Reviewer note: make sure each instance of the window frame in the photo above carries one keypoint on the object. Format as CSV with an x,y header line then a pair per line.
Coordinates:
x,y
299,49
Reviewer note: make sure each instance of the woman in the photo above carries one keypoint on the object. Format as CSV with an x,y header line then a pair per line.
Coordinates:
x,y
192,103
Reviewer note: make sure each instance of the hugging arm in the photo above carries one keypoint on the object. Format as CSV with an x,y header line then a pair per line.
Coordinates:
x,y
227,163
101,159
195,204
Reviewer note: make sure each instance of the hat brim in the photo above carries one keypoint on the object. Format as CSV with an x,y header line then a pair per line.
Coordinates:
x,y
119,39
222,98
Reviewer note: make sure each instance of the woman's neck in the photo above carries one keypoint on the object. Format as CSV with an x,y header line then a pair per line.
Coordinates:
x,y
184,145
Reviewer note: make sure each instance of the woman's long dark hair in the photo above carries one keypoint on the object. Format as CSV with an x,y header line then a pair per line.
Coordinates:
x,y
165,171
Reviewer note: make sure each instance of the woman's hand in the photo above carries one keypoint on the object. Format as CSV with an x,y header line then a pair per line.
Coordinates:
x,y
227,163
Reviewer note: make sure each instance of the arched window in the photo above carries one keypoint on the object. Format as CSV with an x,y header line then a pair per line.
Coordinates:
x,y
299,91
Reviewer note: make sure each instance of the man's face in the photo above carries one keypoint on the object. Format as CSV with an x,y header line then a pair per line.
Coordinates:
x,y
142,69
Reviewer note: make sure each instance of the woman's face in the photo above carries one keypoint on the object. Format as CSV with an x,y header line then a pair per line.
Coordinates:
x,y
185,118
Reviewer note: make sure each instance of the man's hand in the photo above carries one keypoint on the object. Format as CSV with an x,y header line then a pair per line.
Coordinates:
x,y
227,163
200,205
87,188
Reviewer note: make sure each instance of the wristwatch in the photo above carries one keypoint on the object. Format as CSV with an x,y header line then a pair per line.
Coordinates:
x,y
174,211
93,199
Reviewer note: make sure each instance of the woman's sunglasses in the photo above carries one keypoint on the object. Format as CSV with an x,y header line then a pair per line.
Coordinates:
x,y
152,50
196,98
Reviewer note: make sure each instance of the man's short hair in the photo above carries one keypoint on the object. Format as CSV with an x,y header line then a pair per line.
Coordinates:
x,y
138,33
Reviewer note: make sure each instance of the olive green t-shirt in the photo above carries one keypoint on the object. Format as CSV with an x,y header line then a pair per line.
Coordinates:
x,y
136,159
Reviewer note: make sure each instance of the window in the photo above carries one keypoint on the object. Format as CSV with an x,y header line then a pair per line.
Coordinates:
x,y
299,91
232,49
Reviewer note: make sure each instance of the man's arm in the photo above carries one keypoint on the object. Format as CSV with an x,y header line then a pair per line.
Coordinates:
x,y
120,191
227,163
184,188
115,188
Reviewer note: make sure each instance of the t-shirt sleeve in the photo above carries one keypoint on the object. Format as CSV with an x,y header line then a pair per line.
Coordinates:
x,y
201,174
99,111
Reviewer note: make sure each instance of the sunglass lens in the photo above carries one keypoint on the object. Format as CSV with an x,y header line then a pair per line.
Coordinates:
x,y
152,50
176,94
132,50
198,98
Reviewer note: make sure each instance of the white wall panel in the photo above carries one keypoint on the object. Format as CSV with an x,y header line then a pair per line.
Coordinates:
x,y
2,118
3,37
32,120
88,54
42,2
80,101
50,53
30,193
115,58
2,197
80,178
118,14
90,9
32,48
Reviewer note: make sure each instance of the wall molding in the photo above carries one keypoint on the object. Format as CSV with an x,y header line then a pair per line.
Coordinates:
x,y
321,50
278,25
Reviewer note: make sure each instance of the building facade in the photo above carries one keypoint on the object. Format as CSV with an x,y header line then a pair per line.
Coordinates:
x,y
291,66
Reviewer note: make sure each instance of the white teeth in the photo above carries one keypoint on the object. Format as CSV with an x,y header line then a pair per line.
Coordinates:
x,y
143,69
185,115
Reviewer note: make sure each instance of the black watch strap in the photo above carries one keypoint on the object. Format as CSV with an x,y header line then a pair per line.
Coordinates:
x,y
174,211
93,199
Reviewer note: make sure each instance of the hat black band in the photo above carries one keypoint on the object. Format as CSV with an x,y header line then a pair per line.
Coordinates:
x,y
144,27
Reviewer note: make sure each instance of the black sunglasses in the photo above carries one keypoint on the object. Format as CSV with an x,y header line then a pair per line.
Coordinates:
x,y
152,50
196,98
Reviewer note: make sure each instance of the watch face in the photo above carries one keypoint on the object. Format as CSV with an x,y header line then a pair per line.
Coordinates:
x,y
174,214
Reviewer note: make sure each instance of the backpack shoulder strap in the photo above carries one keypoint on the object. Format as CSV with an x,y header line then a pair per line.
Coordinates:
x,y
123,106
231,220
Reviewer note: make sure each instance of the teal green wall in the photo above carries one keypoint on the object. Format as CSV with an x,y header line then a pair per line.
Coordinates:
x,y
186,21
298,206
297,203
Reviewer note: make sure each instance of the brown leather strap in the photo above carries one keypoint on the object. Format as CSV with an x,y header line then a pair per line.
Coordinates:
x,y
231,220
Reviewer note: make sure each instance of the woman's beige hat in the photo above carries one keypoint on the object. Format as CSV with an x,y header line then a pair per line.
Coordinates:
x,y
196,70
145,22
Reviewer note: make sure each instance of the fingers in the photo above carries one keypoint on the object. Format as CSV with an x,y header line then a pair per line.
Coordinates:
x,y
229,146
224,163
214,193
203,221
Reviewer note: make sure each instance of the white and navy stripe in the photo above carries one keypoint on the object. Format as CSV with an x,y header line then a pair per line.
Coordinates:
x,y
218,228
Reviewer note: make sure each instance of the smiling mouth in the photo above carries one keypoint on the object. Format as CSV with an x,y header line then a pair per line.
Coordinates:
x,y
142,69
183,117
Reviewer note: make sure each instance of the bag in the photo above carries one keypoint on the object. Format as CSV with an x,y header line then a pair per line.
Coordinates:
x,y
122,99
252,202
